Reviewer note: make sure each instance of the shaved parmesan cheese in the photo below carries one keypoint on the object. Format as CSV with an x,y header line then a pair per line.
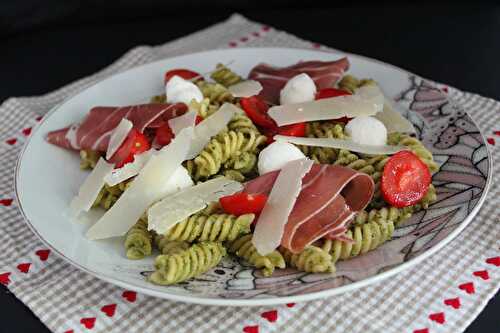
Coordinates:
x,y
245,89
118,135
394,120
210,127
177,124
91,187
341,144
176,207
273,218
366,101
128,170
147,188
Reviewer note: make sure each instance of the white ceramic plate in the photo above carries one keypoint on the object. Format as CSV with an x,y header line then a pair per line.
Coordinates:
x,y
47,177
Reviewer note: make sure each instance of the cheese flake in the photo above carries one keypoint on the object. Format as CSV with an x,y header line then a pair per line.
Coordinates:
x,y
210,127
366,101
273,218
245,89
177,124
91,187
147,188
117,137
342,144
174,208
129,170
394,120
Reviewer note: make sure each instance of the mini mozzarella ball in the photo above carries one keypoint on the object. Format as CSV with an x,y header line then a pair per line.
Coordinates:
x,y
367,130
179,90
180,179
300,88
276,155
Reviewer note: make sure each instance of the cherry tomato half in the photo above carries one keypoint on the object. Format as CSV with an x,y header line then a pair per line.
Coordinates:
x,y
186,74
135,143
405,179
243,203
256,109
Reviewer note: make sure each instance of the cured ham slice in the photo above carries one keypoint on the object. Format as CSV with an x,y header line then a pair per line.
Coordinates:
x,y
95,130
329,198
273,79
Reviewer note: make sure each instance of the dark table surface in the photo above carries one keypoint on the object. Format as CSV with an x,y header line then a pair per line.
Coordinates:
x,y
457,45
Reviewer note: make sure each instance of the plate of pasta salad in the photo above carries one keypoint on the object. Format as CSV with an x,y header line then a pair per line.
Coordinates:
x,y
253,176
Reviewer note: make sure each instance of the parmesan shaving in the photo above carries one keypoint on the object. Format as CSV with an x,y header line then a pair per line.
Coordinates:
x,y
91,187
366,101
273,218
147,188
128,170
245,89
341,144
118,135
177,124
394,120
176,207
210,127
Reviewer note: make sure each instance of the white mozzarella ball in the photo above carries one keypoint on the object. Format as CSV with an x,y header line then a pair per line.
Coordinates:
x,y
276,155
179,90
300,88
367,130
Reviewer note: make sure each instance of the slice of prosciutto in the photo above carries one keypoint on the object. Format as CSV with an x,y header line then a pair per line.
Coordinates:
x,y
328,200
95,130
273,79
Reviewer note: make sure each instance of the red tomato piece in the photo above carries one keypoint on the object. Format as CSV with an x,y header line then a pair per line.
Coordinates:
x,y
135,143
256,109
198,120
243,203
405,179
298,129
186,74
333,92
164,135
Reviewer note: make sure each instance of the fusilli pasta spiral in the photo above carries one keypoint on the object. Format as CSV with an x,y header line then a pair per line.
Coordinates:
x,y
89,158
181,266
225,76
138,241
217,93
312,259
166,246
244,248
213,227
350,83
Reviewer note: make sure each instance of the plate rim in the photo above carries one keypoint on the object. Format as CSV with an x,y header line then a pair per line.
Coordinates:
x,y
276,300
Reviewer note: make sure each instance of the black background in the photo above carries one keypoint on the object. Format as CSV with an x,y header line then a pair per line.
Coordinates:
x,y
47,44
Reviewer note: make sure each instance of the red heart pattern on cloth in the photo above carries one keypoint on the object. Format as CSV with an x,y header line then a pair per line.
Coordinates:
x,y
493,261
24,268
467,287
271,316
423,330
491,141
482,274
290,305
437,317
39,118
496,133
88,322
453,302
43,254
251,329
27,131
109,310
6,202
69,331
4,278
11,141
130,296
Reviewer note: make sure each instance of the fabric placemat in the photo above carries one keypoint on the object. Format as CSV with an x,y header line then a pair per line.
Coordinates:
x,y
442,294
